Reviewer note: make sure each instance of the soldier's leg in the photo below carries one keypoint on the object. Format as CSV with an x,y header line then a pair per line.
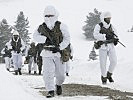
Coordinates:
x,y
7,63
113,62
15,63
30,64
49,73
40,65
59,74
19,63
34,67
103,60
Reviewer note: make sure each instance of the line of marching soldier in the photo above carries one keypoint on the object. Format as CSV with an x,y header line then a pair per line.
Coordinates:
x,y
13,51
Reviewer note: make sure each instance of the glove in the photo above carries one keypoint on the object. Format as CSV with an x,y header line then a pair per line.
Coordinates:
x,y
23,51
18,51
55,50
109,36
71,57
116,41
27,58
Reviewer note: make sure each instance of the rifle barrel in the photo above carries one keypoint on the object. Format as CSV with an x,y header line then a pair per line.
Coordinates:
x,y
122,44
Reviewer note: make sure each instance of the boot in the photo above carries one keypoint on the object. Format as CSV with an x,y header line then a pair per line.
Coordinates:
x,y
50,94
58,90
7,69
67,74
19,71
29,71
34,72
104,80
109,77
16,72
39,72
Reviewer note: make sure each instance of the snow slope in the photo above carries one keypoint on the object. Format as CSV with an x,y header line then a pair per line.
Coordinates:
x,y
73,13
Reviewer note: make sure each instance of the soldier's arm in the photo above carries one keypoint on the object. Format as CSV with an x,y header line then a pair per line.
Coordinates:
x,y
38,37
98,35
66,37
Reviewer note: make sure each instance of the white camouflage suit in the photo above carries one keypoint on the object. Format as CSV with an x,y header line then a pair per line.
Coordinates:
x,y
52,63
7,58
104,50
17,57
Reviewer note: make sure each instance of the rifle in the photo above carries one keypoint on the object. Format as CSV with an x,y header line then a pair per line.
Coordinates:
x,y
118,40
112,32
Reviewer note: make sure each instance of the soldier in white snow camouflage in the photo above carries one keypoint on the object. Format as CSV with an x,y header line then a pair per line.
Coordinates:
x,y
55,36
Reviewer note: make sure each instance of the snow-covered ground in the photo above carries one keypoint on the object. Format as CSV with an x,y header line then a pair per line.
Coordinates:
x,y
73,13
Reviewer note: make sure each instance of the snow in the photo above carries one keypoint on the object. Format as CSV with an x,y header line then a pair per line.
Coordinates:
x,y
73,13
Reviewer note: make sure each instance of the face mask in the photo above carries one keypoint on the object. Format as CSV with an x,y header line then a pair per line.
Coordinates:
x,y
15,38
107,20
50,21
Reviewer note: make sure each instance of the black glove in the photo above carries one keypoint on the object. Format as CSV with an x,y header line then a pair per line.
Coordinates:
x,y
23,51
71,57
55,50
18,51
109,36
116,41
27,58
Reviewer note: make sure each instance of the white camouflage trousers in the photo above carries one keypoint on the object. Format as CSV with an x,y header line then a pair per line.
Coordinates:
x,y
31,61
17,61
7,62
103,53
53,68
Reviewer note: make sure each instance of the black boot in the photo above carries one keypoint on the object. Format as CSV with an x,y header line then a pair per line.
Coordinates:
x,y
39,72
16,72
19,71
34,72
29,71
104,80
67,74
109,77
58,90
50,94
7,69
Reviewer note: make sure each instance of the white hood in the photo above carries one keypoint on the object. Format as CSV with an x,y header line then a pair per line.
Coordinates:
x,y
15,32
50,21
105,15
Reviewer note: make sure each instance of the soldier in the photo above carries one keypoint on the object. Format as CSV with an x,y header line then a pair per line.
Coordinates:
x,y
6,52
104,33
17,46
31,58
55,37
39,48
